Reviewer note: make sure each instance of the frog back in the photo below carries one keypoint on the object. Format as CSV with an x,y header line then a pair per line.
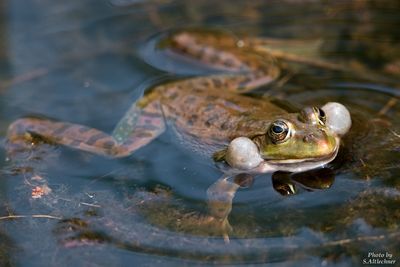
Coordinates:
x,y
207,119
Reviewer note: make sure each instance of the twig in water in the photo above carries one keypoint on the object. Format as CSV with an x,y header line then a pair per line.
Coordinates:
x,y
45,216
342,242
395,134
391,103
90,205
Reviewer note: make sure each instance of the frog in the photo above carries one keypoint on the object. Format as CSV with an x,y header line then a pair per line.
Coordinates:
x,y
214,116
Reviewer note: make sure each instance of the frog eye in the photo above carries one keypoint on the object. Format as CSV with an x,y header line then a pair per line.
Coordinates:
x,y
313,115
279,131
320,114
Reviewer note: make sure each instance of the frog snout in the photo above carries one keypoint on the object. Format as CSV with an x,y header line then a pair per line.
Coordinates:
x,y
315,137
309,138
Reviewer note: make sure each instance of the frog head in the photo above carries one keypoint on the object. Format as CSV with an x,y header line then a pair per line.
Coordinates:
x,y
305,140
294,142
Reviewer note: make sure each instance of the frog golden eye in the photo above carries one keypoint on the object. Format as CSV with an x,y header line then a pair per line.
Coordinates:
x,y
321,116
309,115
279,131
312,115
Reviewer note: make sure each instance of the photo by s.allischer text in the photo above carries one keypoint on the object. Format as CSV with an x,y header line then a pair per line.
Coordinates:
x,y
377,258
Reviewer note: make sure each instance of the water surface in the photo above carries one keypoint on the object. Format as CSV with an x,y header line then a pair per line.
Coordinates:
x,y
86,61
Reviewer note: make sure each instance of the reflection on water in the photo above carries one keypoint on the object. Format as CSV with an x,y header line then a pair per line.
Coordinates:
x,y
285,183
77,61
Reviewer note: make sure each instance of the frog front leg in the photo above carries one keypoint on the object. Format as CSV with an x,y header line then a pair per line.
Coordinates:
x,y
220,197
137,128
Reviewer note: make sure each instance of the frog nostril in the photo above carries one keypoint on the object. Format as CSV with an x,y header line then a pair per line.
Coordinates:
x,y
308,138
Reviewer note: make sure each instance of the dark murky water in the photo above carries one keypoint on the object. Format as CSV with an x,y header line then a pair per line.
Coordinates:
x,y
86,61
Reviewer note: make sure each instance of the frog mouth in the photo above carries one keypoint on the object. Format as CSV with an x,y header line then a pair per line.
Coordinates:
x,y
298,165
289,165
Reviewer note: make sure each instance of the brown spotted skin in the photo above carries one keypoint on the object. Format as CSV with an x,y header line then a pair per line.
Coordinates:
x,y
148,126
209,109
226,52
212,116
68,134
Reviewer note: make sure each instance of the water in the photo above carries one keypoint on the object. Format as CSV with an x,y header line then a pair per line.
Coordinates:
x,y
86,61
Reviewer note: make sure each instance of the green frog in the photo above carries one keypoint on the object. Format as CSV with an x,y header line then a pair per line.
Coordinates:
x,y
211,115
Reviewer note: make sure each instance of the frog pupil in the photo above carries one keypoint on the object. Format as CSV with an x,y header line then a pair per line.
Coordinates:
x,y
321,113
277,129
321,116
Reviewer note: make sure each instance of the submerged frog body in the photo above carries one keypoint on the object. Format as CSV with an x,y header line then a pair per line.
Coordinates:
x,y
207,113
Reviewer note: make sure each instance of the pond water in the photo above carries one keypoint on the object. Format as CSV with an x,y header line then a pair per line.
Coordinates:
x,y
86,61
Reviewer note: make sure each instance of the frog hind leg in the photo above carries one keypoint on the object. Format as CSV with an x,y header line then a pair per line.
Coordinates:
x,y
144,126
139,126
249,69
